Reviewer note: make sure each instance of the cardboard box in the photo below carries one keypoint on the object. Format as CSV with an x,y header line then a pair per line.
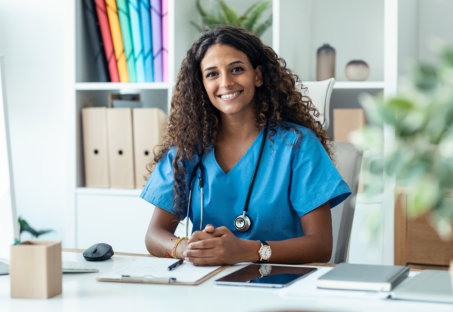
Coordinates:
x,y
35,270
346,121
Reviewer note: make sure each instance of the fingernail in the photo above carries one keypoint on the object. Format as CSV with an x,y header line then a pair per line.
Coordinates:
x,y
184,254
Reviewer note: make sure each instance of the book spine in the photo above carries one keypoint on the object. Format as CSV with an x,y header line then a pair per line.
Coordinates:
x,y
134,13
104,26
125,23
147,40
165,40
156,20
94,34
115,29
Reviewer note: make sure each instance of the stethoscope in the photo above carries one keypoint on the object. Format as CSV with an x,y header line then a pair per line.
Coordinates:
x,y
242,223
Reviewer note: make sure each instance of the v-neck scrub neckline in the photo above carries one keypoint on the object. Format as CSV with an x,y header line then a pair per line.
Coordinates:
x,y
254,148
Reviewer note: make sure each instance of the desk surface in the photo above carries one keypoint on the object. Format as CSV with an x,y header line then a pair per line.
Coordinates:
x,y
81,292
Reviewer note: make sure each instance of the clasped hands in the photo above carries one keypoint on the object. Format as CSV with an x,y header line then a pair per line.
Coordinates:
x,y
216,246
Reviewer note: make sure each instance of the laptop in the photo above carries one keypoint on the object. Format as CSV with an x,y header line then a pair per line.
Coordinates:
x,y
428,285
9,226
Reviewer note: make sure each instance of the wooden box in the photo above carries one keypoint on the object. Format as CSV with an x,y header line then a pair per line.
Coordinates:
x,y
35,269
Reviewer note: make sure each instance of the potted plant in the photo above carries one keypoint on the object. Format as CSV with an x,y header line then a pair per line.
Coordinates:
x,y
421,154
222,14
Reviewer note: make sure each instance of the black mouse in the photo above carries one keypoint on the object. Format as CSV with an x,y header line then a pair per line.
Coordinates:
x,y
98,252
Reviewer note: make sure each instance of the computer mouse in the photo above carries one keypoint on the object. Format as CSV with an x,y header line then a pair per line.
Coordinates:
x,y
98,252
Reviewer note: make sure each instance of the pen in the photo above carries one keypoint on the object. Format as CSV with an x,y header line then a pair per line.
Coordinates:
x,y
175,265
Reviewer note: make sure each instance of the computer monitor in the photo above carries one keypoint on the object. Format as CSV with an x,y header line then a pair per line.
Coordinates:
x,y
9,227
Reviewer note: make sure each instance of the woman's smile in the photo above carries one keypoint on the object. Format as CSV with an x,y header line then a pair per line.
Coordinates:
x,y
230,96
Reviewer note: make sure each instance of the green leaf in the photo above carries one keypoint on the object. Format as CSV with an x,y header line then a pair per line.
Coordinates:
x,y
244,16
230,16
25,227
255,15
260,29
425,77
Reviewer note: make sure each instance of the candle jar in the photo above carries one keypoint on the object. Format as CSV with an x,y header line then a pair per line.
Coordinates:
x,y
357,70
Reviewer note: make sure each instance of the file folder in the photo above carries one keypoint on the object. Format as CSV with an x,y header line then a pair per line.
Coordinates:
x,y
118,46
94,34
149,128
95,147
120,138
126,32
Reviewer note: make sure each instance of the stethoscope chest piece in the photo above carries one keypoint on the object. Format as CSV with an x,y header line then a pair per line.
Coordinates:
x,y
242,223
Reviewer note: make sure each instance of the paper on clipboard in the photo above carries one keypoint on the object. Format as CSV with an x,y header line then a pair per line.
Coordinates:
x,y
153,270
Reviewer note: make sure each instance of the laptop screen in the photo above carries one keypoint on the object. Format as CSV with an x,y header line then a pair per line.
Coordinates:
x,y
9,228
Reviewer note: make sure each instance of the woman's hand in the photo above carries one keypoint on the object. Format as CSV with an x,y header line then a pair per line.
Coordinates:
x,y
219,246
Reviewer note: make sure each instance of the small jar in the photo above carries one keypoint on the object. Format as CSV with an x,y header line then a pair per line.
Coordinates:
x,y
325,62
357,70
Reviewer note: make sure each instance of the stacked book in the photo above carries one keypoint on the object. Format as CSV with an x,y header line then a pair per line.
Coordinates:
x,y
129,39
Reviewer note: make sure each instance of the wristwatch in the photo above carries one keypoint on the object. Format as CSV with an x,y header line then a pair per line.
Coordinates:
x,y
264,252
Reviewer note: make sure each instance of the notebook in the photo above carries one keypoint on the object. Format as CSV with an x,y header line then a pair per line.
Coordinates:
x,y
153,270
428,285
363,277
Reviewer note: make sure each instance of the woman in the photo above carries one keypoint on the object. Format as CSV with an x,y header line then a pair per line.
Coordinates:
x,y
245,154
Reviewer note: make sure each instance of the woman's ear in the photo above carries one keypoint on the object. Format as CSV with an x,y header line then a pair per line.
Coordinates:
x,y
258,76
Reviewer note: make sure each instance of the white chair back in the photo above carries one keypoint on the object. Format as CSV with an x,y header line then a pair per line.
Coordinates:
x,y
348,160
319,93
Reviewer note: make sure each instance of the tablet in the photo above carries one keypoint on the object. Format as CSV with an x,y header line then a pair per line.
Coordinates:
x,y
265,275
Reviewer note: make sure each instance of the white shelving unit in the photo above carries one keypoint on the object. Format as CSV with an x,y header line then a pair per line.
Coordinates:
x,y
299,28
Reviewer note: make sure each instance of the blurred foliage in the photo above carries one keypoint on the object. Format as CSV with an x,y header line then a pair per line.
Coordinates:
x,y
26,227
222,14
421,158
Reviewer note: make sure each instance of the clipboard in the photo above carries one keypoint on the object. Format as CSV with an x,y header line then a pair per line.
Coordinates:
x,y
153,270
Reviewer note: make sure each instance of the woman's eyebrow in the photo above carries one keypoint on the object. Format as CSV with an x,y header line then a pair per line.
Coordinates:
x,y
232,63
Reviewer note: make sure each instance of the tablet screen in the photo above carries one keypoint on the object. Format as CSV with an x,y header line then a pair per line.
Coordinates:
x,y
265,275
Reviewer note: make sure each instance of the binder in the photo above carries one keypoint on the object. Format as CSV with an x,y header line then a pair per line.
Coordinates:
x,y
119,133
118,46
136,28
95,147
165,40
94,35
123,14
147,40
370,277
149,128
156,21
104,26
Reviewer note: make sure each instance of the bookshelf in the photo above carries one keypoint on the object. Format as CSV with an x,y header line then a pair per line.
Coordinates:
x,y
299,28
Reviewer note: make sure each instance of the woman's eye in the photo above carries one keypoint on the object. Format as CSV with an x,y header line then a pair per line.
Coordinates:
x,y
237,69
211,74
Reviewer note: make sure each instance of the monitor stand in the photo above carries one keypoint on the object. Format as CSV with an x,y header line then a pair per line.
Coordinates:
x,y
4,268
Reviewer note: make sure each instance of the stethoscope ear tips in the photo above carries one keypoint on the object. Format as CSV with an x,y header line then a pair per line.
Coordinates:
x,y
242,223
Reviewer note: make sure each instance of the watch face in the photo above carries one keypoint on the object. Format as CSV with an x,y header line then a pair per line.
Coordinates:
x,y
265,252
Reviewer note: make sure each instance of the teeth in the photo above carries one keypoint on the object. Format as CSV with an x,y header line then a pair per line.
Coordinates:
x,y
229,96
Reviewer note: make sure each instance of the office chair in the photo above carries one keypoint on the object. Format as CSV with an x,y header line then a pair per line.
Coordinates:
x,y
348,161
319,93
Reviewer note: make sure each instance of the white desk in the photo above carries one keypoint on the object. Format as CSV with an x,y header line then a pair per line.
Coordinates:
x,y
81,292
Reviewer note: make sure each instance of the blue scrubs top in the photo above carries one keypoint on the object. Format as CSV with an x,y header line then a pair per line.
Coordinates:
x,y
295,177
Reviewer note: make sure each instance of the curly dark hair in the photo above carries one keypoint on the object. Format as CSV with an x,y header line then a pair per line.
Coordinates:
x,y
194,123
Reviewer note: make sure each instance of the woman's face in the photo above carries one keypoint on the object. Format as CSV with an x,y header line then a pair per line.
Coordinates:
x,y
229,79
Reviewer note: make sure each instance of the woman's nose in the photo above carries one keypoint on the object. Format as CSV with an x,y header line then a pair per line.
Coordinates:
x,y
226,81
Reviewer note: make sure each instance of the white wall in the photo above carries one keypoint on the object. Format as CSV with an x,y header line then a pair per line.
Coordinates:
x,y
31,39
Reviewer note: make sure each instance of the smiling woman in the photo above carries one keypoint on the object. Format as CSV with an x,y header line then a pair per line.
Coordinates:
x,y
244,159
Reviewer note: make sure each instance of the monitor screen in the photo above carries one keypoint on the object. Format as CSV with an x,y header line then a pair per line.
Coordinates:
x,y
9,228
